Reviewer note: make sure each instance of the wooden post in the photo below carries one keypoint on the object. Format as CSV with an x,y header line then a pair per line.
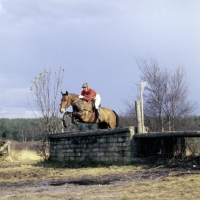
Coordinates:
x,y
9,150
139,117
6,145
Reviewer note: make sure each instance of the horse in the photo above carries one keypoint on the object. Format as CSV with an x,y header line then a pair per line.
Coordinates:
x,y
83,112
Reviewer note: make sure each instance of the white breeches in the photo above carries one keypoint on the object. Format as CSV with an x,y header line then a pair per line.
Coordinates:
x,y
97,101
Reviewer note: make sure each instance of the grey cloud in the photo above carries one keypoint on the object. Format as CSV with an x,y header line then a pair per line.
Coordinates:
x,y
95,41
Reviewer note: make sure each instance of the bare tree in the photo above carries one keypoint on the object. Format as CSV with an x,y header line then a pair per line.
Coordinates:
x,y
176,106
45,91
128,117
165,98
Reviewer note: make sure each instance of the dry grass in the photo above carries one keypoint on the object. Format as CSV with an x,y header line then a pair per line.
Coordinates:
x,y
21,152
26,172
171,187
25,155
19,169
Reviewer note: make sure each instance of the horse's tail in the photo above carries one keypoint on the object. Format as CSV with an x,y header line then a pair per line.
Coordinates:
x,y
117,118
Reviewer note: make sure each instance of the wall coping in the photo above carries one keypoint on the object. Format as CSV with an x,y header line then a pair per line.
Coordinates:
x,y
69,134
168,134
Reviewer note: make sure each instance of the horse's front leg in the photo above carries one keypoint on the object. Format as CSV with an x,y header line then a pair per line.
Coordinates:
x,y
64,119
79,114
74,120
70,114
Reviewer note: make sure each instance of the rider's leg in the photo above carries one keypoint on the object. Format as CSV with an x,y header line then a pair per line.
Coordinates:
x,y
97,104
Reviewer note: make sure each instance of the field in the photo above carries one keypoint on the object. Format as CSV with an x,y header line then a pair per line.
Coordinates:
x,y
24,176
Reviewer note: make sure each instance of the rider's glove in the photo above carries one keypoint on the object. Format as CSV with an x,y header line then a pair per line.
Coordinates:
x,y
80,96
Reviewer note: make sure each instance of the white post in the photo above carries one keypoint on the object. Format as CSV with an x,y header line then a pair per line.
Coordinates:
x,y
142,85
138,114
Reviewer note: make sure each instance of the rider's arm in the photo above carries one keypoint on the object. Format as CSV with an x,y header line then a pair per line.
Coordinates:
x,y
90,94
83,92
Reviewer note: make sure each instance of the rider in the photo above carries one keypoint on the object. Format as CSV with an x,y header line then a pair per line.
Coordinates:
x,y
88,94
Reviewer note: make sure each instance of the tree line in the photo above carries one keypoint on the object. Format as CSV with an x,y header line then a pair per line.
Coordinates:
x,y
26,130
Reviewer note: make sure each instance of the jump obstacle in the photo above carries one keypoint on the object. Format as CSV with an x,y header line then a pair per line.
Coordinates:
x,y
119,145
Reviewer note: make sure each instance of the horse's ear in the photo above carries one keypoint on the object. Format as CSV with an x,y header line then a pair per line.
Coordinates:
x,y
64,93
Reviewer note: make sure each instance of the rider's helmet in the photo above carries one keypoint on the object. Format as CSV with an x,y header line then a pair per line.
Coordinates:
x,y
85,85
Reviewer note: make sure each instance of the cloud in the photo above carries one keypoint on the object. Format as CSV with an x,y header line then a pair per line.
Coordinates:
x,y
94,41
14,97
16,112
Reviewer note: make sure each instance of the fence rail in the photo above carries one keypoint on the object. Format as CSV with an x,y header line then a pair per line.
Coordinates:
x,y
168,134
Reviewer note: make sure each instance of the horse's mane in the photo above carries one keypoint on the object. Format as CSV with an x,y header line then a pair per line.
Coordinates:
x,y
80,102
73,94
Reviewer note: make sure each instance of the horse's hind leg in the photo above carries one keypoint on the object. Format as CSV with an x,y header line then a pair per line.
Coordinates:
x,y
112,123
103,125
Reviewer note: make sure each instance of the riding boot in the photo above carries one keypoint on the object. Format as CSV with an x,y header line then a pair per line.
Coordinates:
x,y
97,111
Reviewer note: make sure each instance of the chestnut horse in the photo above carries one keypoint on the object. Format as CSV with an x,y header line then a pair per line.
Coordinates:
x,y
83,111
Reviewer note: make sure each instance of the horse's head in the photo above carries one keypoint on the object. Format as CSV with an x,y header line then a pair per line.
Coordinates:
x,y
68,99
65,102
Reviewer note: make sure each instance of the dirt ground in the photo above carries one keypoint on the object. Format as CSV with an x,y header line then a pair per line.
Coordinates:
x,y
173,180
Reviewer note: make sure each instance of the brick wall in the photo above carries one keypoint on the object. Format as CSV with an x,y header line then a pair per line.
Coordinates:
x,y
113,146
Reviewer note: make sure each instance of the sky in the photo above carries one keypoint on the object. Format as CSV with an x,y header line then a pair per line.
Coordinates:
x,y
95,41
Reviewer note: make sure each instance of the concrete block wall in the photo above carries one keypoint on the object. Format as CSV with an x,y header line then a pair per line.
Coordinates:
x,y
113,146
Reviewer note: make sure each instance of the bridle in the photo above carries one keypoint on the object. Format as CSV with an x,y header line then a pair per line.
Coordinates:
x,y
65,104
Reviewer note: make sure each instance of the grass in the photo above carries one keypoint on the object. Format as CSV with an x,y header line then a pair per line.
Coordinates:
x,y
25,155
184,187
24,170
21,152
